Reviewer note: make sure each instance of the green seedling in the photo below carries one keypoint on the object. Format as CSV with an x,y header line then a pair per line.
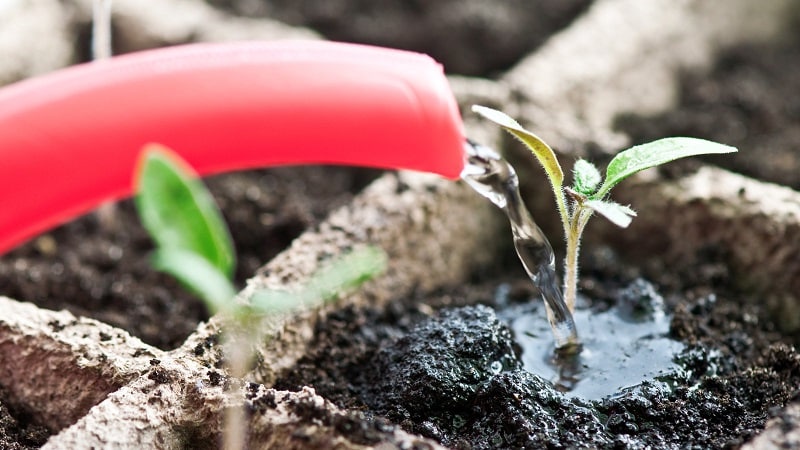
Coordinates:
x,y
193,244
589,192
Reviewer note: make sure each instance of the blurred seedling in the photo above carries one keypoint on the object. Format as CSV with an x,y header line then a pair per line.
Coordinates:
x,y
193,244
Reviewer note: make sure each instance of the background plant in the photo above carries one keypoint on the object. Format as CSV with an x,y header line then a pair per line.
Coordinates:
x,y
193,243
589,192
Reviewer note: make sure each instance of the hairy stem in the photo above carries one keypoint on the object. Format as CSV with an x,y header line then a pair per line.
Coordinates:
x,y
576,225
571,265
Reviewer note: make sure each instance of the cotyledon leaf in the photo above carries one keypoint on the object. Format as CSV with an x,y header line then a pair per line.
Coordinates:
x,y
542,151
652,154
178,211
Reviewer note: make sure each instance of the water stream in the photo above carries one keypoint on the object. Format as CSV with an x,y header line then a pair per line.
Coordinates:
x,y
493,177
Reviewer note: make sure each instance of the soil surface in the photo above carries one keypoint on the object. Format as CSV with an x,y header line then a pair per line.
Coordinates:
x,y
16,430
749,101
453,372
98,266
470,37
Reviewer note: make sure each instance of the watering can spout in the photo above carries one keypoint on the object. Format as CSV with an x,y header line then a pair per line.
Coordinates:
x,y
70,140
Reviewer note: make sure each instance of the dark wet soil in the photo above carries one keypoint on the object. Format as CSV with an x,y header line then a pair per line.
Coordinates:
x,y
16,430
749,100
470,37
453,372
101,269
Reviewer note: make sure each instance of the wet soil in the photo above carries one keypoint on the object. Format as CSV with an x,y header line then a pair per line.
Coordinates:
x,y
749,100
436,366
470,37
17,432
98,266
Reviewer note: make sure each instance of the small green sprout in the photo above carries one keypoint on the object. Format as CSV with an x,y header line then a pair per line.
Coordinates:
x,y
589,192
194,244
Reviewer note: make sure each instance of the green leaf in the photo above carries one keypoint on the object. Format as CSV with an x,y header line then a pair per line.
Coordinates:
x,y
274,301
619,215
178,211
542,151
652,154
344,273
586,177
197,274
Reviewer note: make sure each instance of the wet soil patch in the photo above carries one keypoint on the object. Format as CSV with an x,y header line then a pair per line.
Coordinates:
x,y
621,346
17,432
470,37
749,100
98,266
453,372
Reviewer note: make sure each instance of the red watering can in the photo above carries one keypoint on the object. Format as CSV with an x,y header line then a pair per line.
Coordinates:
x,y
71,139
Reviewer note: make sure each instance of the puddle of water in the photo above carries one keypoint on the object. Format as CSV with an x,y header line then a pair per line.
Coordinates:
x,y
622,347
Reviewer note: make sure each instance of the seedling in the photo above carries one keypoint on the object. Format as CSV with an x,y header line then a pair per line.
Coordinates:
x,y
194,244
192,241
589,192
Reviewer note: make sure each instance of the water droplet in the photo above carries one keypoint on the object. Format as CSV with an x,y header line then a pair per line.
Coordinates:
x,y
496,367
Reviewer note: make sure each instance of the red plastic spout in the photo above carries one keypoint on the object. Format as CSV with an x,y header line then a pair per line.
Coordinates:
x,y
70,140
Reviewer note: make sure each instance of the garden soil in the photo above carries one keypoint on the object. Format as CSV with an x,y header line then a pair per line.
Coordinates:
x,y
16,430
444,368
